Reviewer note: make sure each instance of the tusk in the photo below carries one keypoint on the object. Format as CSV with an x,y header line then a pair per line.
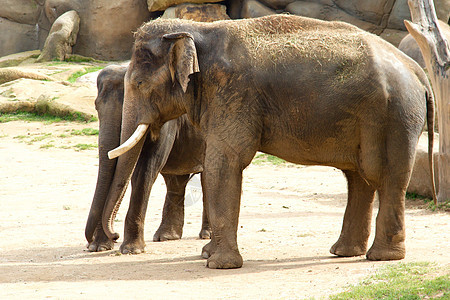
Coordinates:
x,y
130,143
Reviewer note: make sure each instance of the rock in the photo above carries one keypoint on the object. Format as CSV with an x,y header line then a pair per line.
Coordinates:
x,y
399,12
306,9
107,28
16,59
367,10
197,12
420,178
336,14
158,5
56,8
54,97
16,37
277,4
21,11
255,9
443,10
10,74
393,36
62,36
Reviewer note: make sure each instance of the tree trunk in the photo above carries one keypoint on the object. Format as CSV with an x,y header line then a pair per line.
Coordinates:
x,y
436,53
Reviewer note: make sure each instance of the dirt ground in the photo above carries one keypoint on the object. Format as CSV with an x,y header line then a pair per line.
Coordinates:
x,y
290,217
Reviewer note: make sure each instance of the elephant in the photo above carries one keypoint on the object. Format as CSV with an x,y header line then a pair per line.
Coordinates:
x,y
311,92
178,152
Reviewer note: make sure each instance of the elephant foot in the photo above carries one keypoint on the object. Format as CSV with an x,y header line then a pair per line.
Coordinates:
x,y
132,247
209,249
225,260
347,249
100,245
168,233
205,234
387,252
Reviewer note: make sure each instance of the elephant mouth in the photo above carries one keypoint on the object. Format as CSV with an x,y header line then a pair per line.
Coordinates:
x,y
138,134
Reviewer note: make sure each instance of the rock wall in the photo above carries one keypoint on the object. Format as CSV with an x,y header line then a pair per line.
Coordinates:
x,y
106,26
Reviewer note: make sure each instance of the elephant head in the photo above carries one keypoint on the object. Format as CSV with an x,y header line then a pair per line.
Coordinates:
x,y
155,83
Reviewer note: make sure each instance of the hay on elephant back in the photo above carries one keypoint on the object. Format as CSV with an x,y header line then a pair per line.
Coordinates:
x,y
303,38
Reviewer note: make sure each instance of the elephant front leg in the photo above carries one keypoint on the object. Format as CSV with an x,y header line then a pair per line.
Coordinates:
x,y
100,241
172,222
357,218
222,177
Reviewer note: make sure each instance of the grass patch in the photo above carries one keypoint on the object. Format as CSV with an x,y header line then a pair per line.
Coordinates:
x,y
263,158
47,146
80,147
429,202
40,138
79,59
402,281
87,70
46,118
85,131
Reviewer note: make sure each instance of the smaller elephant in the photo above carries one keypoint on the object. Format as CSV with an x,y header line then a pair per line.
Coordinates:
x,y
176,154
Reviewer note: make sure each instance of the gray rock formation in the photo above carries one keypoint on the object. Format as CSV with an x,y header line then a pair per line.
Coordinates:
x,y
62,37
197,12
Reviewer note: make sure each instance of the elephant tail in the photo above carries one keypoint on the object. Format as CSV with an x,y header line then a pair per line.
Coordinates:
x,y
430,123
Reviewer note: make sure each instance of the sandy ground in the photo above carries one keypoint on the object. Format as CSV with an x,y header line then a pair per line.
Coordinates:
x,y
290,217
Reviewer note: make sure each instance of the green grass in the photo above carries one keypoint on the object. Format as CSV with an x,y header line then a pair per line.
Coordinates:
x,y
45,117
430,204
263,158
80,147
79,59
85,131
402,281
87,70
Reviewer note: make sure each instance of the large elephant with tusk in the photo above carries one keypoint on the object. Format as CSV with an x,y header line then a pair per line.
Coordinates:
x,y
178,152
309,91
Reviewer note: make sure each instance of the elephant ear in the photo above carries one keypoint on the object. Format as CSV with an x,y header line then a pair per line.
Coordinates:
x,y
182,57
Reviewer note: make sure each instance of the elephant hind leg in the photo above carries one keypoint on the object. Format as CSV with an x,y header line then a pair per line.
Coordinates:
x,y
357,218
389,243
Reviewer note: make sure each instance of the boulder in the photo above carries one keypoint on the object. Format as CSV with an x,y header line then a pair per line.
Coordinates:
x,y
420,178
62,36
10,74
197,12
159,5
278,4
393,36
21,11
399,12
107,28
306,9
16,37
16,59
367,10
255,9
442,10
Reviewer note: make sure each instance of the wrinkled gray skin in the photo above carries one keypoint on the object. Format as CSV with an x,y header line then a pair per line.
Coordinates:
x,y
178,152
308,91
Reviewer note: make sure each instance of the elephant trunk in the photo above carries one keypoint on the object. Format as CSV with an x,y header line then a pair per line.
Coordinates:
x,y
108,138
124,169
